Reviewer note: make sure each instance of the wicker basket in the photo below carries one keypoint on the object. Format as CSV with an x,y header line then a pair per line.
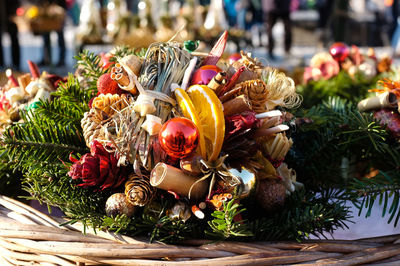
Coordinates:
x,y
28,236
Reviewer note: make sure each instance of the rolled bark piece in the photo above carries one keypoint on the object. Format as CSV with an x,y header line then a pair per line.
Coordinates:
x,y
237,105
218,82
384,100
167,177
24,80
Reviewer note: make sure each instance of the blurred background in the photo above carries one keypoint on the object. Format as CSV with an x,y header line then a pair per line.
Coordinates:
x,y
283,33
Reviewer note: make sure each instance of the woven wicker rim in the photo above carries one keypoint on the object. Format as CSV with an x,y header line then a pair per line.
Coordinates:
x,y
28,236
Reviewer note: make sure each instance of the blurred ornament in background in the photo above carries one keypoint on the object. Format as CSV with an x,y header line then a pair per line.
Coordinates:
x,y
179,137
116,12
339,51
90,25
215,18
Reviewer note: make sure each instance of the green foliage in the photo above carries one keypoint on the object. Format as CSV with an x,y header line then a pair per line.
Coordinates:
x,y
304,214
224,226
366,192
342,85
340,143
91,67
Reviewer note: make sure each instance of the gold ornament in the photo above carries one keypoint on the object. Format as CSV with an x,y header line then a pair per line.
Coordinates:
x,y
118,204
138,190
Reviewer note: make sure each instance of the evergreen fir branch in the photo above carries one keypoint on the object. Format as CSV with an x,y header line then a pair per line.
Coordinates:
x,y
72,91
224,226
340,133
366,192
304,214
91,64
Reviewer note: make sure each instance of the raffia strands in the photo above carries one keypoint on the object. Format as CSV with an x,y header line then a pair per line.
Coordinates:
x,y
29,237
281,90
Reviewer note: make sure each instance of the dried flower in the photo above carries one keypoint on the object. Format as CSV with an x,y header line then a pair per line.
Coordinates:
x,y
98,168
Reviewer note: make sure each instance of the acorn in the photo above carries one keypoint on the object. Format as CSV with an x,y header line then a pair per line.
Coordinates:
x,y
270,194
118,204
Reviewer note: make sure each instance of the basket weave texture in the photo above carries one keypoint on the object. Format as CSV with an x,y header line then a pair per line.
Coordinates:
x,y
28,236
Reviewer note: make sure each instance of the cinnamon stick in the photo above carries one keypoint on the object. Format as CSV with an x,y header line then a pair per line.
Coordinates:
x,y
384,100
237,105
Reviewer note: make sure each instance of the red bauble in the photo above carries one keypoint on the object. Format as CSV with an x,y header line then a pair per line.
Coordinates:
x,y
234,57
179,137
105,84
339,51
204,74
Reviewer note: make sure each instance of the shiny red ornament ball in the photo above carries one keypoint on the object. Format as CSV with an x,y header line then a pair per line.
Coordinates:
x,y
105,84
234,57
204,74
179,137
339,51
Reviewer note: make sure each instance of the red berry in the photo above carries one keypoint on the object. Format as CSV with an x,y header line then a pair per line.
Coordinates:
x,y
105,84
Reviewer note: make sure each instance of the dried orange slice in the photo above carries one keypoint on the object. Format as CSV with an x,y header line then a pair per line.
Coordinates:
x,y
188,110
211,118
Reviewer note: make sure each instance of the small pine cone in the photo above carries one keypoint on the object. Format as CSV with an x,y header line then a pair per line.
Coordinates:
x,y
270,194
91,123
110,103
138,190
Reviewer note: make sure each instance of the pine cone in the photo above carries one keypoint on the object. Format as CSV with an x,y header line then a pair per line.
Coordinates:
x,y
271,194
91,123
110,103
138,190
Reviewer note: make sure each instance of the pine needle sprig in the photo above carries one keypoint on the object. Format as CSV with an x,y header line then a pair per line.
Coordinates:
x,y
91,64
69,96
304,214
383,187
224,225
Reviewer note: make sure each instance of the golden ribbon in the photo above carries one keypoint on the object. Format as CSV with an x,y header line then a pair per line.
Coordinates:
x,y
214,170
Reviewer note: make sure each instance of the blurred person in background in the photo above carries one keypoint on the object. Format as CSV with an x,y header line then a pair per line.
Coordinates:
x,y
325,10
274,10
7,11
46,59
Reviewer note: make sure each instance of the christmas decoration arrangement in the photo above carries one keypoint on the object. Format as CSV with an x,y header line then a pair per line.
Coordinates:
x,y
24,92
344,72
169,145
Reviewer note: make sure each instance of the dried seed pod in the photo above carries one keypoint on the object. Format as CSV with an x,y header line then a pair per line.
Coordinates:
x,y
255,90
92,123
110,103
138,190
118,204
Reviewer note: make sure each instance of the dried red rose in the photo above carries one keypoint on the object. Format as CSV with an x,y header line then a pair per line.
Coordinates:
x,y
97,169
